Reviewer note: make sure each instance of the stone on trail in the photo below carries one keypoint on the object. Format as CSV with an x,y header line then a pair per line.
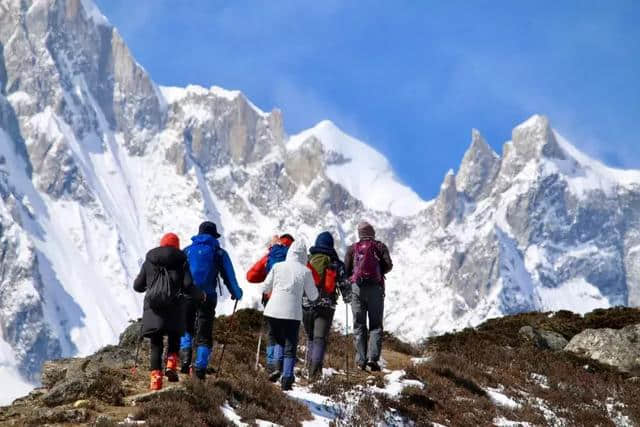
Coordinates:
x,y
175,391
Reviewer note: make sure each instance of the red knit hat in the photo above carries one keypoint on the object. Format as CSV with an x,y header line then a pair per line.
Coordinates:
x,y
170,239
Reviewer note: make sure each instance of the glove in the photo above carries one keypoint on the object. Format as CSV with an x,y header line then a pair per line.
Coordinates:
x,y
345,291
237,294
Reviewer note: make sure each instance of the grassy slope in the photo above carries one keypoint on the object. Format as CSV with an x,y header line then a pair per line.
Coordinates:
x,y
462,366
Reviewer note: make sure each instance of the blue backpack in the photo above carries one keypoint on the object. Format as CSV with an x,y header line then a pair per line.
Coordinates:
x,y
203,263
278,253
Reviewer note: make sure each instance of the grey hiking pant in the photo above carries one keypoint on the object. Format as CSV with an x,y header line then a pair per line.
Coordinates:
x,y
367,302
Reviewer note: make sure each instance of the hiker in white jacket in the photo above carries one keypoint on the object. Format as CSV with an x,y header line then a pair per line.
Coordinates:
x,y
287,282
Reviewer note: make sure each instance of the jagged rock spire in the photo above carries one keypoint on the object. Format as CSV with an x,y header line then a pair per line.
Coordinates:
x,y
534,138
447,202
478,169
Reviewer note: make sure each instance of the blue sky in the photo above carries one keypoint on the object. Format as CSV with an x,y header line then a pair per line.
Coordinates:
x,y
409,77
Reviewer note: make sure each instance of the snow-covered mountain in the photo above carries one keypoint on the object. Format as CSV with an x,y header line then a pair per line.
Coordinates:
x,y
97,162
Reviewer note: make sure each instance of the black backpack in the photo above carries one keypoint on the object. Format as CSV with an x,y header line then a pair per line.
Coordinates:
x,y
161,293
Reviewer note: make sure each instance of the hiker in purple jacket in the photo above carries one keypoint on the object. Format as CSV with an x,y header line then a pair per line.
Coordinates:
x,y
366,263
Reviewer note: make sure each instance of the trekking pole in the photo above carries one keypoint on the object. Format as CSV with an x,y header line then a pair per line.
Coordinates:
x,y
346,354
134,370
225,344
259,345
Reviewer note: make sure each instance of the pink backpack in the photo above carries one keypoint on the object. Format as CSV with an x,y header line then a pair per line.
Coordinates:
x,y
366,263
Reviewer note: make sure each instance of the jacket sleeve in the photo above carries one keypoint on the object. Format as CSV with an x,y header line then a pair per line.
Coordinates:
x,y
386,264
140,284
258,272
310,289
348,262
229,276
268,282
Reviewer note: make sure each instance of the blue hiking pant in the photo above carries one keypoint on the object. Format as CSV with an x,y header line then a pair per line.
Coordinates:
x,y
285,332
199,329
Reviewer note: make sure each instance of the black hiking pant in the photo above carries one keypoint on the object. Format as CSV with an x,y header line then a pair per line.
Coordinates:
x,y
317,324
367,303
157,348
199,322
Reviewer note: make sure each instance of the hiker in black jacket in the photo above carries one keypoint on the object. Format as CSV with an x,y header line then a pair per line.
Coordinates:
x,y
169,321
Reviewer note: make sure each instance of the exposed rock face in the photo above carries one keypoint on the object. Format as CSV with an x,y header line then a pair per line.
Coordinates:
x,y
479,168
97,162
616,347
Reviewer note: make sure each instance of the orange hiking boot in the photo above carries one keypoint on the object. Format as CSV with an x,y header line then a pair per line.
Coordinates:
x,y
156,380
173,360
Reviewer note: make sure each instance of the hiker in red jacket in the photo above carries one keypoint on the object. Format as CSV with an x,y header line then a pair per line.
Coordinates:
x,y
366,263
277,252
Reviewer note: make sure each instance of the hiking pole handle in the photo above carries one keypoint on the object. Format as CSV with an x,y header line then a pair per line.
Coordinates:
x,y
346,354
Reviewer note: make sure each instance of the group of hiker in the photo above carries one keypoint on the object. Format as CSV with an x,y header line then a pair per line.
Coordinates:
x,y
298,287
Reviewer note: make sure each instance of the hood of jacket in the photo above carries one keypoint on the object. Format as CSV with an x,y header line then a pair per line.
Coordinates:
x,y
297,253
167,257
205,239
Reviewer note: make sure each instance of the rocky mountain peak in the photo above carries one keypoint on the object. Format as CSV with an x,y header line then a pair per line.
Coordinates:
x,y
478,168
534,139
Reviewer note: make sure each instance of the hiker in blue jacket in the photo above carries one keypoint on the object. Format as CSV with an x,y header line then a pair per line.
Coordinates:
x,y
207,261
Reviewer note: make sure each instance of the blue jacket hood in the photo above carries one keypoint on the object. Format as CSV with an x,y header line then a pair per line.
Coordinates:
x,y
206,239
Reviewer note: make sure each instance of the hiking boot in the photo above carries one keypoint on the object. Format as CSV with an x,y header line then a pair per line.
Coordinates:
x,y
172,368
201,374
362,366
315,371
286,383
274,376
185,358
156,380
374,366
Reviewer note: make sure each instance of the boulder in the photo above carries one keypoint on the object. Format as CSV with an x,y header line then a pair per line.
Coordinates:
x,y
619,348
546,340
553,340
55,371
131,336
58,416
104,384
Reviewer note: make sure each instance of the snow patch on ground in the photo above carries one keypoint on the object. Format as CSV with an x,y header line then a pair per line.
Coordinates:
x,y
503,422
499,398
326,410
614,409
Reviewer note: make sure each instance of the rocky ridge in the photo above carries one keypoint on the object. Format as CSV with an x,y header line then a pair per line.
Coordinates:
x,y
507,371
